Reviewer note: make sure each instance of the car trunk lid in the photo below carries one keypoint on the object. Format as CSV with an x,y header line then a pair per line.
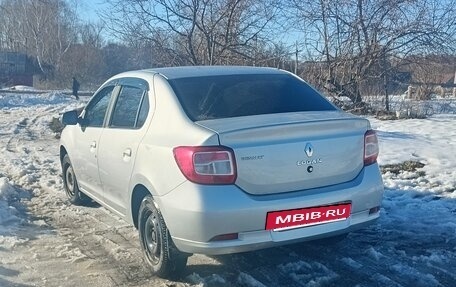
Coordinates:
x,y
294,151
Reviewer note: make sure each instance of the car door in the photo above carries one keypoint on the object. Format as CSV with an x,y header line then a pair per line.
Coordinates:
x,y
120,140
84,157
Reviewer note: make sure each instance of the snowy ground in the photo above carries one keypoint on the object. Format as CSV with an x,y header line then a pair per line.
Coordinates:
x,y
44,241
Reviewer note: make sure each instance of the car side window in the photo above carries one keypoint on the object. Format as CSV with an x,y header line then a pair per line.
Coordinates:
x,y
128,111
143,111
96,110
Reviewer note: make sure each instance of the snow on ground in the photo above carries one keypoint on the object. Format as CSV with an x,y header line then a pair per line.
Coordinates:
x,y
404,106
44,241
10,213
20,88
15,100
430,141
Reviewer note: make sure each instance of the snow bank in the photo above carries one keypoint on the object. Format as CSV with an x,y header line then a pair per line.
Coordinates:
x,y
20,88
8,213
401,105
429,141
25,119
10,100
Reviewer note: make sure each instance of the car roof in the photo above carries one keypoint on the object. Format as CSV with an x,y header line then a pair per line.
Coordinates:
x,y
199,71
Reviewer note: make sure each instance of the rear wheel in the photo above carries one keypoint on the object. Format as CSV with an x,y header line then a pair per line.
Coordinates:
x,y
156,243
74,195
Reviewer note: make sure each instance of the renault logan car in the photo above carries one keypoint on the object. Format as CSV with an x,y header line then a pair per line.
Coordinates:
x,y
219,160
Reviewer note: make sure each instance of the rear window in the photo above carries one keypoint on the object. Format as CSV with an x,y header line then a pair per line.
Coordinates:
x,y
215,97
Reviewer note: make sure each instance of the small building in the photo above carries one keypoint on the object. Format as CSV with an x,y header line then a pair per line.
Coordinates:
x,y
444,85
15,69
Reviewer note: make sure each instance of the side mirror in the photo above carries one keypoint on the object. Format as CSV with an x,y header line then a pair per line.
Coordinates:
x,y
70,118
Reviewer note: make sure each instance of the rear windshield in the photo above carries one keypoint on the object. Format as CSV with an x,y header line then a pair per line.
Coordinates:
x,y
215,97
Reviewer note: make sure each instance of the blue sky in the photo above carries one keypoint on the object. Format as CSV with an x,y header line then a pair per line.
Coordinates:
x,y
87,9
88,12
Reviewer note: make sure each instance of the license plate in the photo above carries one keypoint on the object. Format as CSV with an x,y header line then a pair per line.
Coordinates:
x,y
288,219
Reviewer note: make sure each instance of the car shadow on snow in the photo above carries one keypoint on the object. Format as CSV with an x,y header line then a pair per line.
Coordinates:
x,y
278,266
412,244
395,135
89,203
22,226
6,273
6,283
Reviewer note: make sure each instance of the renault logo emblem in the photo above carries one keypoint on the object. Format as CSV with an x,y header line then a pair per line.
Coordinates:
x,y
309,150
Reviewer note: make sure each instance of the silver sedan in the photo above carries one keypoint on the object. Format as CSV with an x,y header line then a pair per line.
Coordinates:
x,y
218,160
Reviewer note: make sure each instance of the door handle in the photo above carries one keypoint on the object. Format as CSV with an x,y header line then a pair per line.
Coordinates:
x,y
93,144
127,152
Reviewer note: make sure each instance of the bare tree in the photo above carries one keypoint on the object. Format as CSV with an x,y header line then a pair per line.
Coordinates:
x,y
203,31
91,34
354,41
44,29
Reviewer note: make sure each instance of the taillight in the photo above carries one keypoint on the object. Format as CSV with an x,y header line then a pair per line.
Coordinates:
x,y
370,147
206,164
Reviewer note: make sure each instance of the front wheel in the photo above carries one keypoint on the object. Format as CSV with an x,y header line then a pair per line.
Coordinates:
x,y
156,243
74,195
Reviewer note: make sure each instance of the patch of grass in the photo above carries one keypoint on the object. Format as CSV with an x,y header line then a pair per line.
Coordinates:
x,y
410,166
56,126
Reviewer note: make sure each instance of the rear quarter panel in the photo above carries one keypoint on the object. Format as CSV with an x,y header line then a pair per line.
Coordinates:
x,y
155,166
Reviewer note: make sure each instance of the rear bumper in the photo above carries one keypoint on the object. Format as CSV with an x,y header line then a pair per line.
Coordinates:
x,y
254,240
194,214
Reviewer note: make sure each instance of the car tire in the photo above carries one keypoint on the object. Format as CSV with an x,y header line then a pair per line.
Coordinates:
x,y
70,183
156,243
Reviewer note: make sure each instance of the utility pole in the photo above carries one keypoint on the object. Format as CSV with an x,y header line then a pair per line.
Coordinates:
x,y
296,59
255,51
454,83
385,82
